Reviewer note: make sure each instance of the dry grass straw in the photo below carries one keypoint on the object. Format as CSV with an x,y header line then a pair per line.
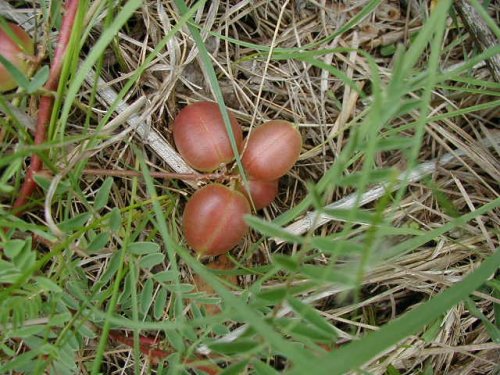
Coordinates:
x,y
325,110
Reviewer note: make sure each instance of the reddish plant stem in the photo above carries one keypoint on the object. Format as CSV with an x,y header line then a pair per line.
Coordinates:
x,y
46,105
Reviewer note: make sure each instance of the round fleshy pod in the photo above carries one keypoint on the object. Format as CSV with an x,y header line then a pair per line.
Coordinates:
x,y
271,150
15,53
201,137
213,219
261,192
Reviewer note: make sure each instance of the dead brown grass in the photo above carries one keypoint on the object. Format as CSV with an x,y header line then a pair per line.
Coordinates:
x,y
325,110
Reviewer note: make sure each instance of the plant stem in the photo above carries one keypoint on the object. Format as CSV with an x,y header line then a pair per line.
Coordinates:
x,y
46,104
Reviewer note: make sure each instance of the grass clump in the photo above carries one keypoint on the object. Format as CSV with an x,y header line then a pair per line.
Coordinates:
x,y
378,254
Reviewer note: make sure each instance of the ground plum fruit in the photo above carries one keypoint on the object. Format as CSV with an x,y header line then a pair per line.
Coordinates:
x,y
14,53
201,137
271,150
261,192
213,219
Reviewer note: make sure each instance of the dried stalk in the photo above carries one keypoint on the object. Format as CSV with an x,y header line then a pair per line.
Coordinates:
x,y
314,219
481,33
148,135
107,96
159,175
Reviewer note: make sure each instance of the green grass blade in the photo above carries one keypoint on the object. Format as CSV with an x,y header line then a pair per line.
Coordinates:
x,y
121,18
354,355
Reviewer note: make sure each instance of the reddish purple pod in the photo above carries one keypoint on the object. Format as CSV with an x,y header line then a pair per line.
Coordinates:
x,y
14,53
201,137
271,150
262,193
213,219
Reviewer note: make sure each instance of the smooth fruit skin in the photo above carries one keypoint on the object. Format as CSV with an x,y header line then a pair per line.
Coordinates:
x,y
271,150
213,219
261,192
201,137
14,53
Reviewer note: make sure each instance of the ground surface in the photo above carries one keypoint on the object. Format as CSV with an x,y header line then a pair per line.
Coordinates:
x,y
376,88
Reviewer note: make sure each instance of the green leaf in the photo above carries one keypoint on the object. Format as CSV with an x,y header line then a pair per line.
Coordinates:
x,y
160,303
115,219
165,276
74,291
304,331
28,331
113,266
408,106
394,143
322,273
218,329
25,259
151,260
44,182
353,215
38,79
432,331
336,247
102,196
8,351
236,369
175,339
86,331
388,50
48,285
407,230
375,176
311,315
262,368
22,362
98,243
235,347
125,298
9,273
287,262
391,370
6,188
142,248
272,230
273,295
179,288
146,296
13,248
11,169
75,223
